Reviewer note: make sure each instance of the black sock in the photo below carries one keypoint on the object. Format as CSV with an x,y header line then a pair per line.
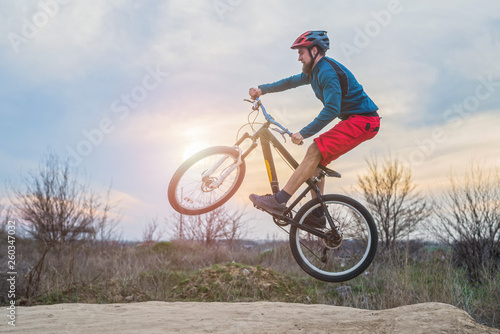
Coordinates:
x,y
282,197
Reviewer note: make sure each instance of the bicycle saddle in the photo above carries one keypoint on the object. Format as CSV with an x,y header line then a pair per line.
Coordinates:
x,y
329,172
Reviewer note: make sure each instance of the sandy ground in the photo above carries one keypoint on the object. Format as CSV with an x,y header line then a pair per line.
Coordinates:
x,y
261,317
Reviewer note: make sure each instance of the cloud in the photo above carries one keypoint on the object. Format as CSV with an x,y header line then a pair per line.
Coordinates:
x,y
76,39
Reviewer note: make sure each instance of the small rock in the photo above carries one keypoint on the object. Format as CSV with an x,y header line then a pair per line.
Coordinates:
x,y
344,291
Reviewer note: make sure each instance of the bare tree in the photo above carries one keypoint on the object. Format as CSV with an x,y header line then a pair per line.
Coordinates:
x,y
219,224
469,220
151,232
105,224
392,199
57,207
5,216
236,226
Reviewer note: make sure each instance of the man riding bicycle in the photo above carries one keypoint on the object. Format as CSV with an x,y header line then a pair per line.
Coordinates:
x,y
343,97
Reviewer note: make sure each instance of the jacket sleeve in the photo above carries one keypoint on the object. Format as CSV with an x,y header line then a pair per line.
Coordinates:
x,y
284,84
332,97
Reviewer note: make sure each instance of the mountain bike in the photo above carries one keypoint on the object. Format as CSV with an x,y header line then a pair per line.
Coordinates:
x,y
339,252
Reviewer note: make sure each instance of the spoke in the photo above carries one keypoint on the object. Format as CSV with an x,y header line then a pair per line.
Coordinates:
x,y
195,193
305,246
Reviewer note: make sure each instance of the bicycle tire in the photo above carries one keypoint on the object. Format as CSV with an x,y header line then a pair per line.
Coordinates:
x,y
199,204
354,248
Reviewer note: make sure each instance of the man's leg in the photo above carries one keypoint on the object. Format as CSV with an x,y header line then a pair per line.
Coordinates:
x,y
305,170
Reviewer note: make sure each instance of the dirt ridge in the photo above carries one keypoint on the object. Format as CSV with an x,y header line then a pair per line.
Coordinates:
x,y
253,317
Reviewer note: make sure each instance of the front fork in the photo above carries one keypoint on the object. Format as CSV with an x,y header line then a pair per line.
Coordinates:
x,y
228,170
241,156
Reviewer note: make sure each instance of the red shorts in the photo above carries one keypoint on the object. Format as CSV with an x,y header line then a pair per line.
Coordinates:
x,y
345,136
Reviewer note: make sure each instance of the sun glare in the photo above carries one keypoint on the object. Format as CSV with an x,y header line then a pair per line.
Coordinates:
x,y
193,148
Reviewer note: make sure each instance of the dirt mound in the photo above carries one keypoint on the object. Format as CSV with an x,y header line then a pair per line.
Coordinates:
x,y
233,281
260,317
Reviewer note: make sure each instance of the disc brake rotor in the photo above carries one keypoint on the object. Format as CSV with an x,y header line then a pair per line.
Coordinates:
x,y
334,239
206,186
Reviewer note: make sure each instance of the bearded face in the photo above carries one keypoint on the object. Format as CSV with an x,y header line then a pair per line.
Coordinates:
x,y
307,66
306,60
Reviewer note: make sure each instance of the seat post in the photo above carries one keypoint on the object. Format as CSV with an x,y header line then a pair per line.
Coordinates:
x,y
318,178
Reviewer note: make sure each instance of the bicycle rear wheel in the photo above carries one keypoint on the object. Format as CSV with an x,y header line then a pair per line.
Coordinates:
x,y
341,259
206,180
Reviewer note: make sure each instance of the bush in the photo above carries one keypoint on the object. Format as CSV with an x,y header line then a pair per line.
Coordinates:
x,y
163,247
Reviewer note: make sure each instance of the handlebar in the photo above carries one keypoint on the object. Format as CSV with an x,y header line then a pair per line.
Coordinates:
x,y
258,103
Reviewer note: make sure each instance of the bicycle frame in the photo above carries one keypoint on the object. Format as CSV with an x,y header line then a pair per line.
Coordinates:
x,y
266,139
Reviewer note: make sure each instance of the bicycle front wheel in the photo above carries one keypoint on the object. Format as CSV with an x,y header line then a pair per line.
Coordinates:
x,y
347,254
206,180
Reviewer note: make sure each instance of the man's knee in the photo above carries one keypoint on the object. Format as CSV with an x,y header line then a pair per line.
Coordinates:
x,y
313,152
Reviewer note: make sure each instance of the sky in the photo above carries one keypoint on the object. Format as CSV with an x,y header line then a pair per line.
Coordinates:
x,y
126,90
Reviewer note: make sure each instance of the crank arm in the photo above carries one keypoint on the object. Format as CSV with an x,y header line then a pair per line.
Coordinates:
x,y
306,228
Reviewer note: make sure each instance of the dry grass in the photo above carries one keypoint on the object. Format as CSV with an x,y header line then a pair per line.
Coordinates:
x,y
171,271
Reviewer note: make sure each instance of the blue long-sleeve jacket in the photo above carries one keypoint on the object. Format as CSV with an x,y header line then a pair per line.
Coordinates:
x,y
335,86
